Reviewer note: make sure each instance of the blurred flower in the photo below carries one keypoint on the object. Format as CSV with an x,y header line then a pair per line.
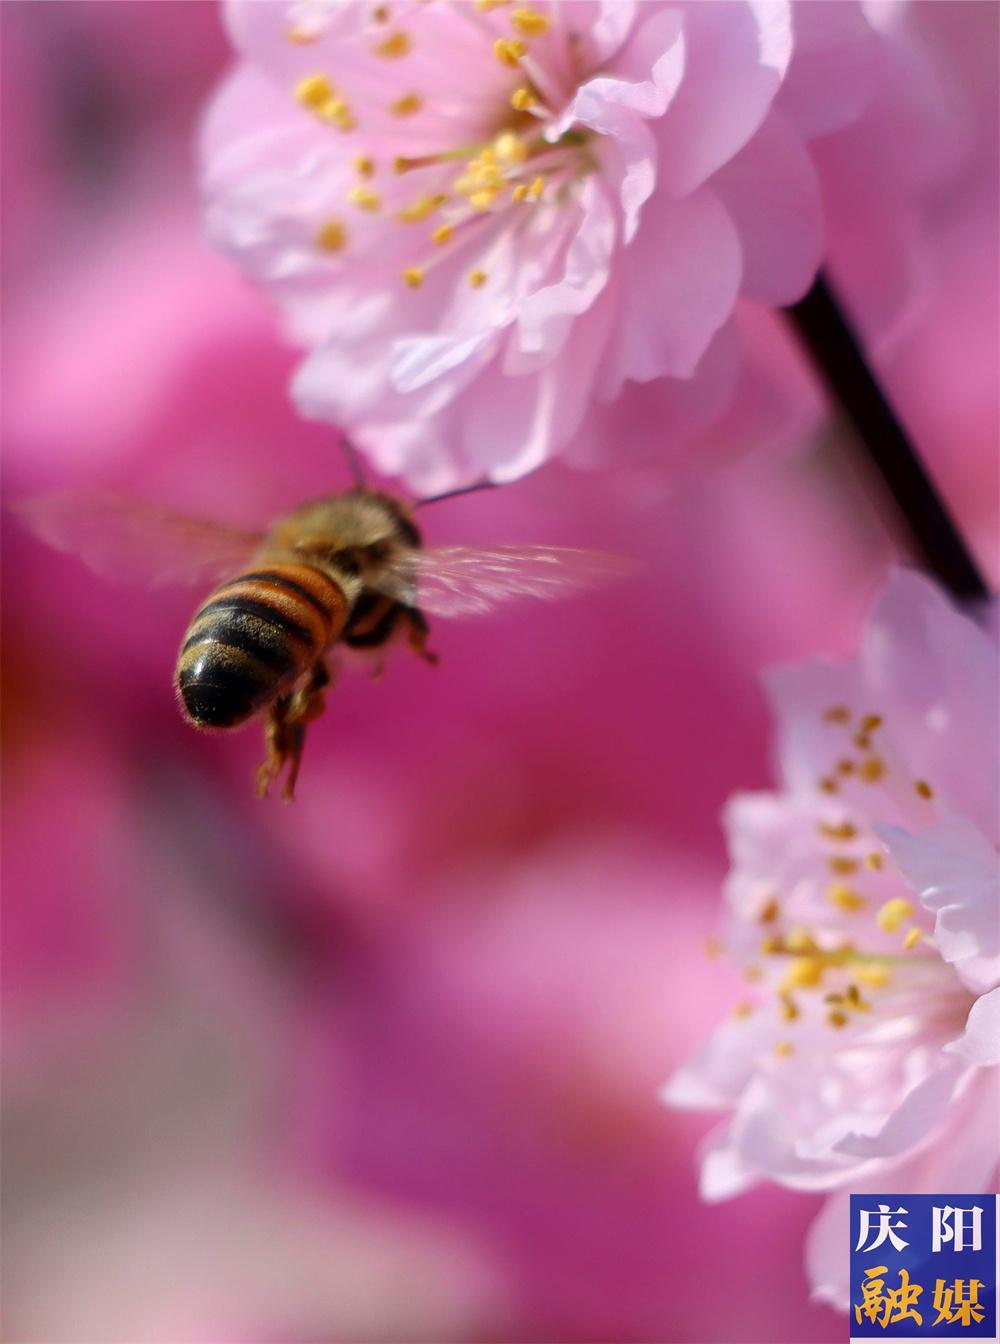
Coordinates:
x,y
497,217
863,906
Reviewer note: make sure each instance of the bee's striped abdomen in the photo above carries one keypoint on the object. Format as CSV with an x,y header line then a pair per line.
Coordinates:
x,y
253,637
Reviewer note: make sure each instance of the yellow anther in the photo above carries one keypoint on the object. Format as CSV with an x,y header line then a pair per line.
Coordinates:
x,y
752,974
365,199
381,13
924,789
891,915
875,977
477,279
837,1017
510,148
529,23
743,1009
845,766
420,209
803,973
300,37
769,912
509,50
536,188
521,100
912,938
872,769
874,861
770,945
520,192
482,200
844,830
783,1049
713,947
314,91
331,236
844,897
827,785
338,112
842,866
789,1008
487,5
364,166
801,942
442,234
837,714
407,106
394,46
413,276
870,722
862,741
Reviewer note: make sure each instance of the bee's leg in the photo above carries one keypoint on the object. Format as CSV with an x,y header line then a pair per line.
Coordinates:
x,y
285,732
418,635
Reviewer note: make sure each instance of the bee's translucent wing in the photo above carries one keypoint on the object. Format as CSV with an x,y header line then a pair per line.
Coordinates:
x,y
468,581
133,543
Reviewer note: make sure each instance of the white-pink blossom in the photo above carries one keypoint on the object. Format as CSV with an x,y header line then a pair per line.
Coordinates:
x,y
490,224
863,906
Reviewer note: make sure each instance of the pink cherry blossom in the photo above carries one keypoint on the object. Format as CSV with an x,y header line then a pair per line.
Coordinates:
x,y
862,904
487,222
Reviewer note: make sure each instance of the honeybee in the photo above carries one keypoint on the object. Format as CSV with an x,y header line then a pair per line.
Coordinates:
x,y
347,571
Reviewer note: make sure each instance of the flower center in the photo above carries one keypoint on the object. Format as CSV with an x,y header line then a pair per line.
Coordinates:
x,y
813,970
461,189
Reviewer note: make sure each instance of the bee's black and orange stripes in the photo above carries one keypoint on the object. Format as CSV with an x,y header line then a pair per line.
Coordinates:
x,y
254,637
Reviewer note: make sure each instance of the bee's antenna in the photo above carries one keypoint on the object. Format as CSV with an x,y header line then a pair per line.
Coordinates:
x,y
353,460
462,490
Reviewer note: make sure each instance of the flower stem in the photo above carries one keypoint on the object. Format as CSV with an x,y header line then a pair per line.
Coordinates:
x,y
823,327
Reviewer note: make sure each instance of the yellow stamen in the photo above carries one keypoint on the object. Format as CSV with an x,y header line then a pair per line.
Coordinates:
x,y
529,23
912,938
510,148
536,188
870,722
300,37
838,864
509,50
803,973
845,897
487,5
407,106
477,279
743,1009
770,946
801,941
875,977
442,234
924,789
874,861
414,276
827,785
337,111
783,1049
845,767
891,915
862,741
420,209
521,100
520,192
331,236
837,714
314,91
364,166
844,830
752,974
365,199
789,1008
837,1017
381,13
872,769
394,46
482,200
769,912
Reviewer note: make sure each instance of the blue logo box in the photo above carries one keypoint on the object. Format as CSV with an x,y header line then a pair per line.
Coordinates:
x,y
923,1267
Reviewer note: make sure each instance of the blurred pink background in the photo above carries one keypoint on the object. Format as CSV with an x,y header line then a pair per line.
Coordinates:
x,y
383,1065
